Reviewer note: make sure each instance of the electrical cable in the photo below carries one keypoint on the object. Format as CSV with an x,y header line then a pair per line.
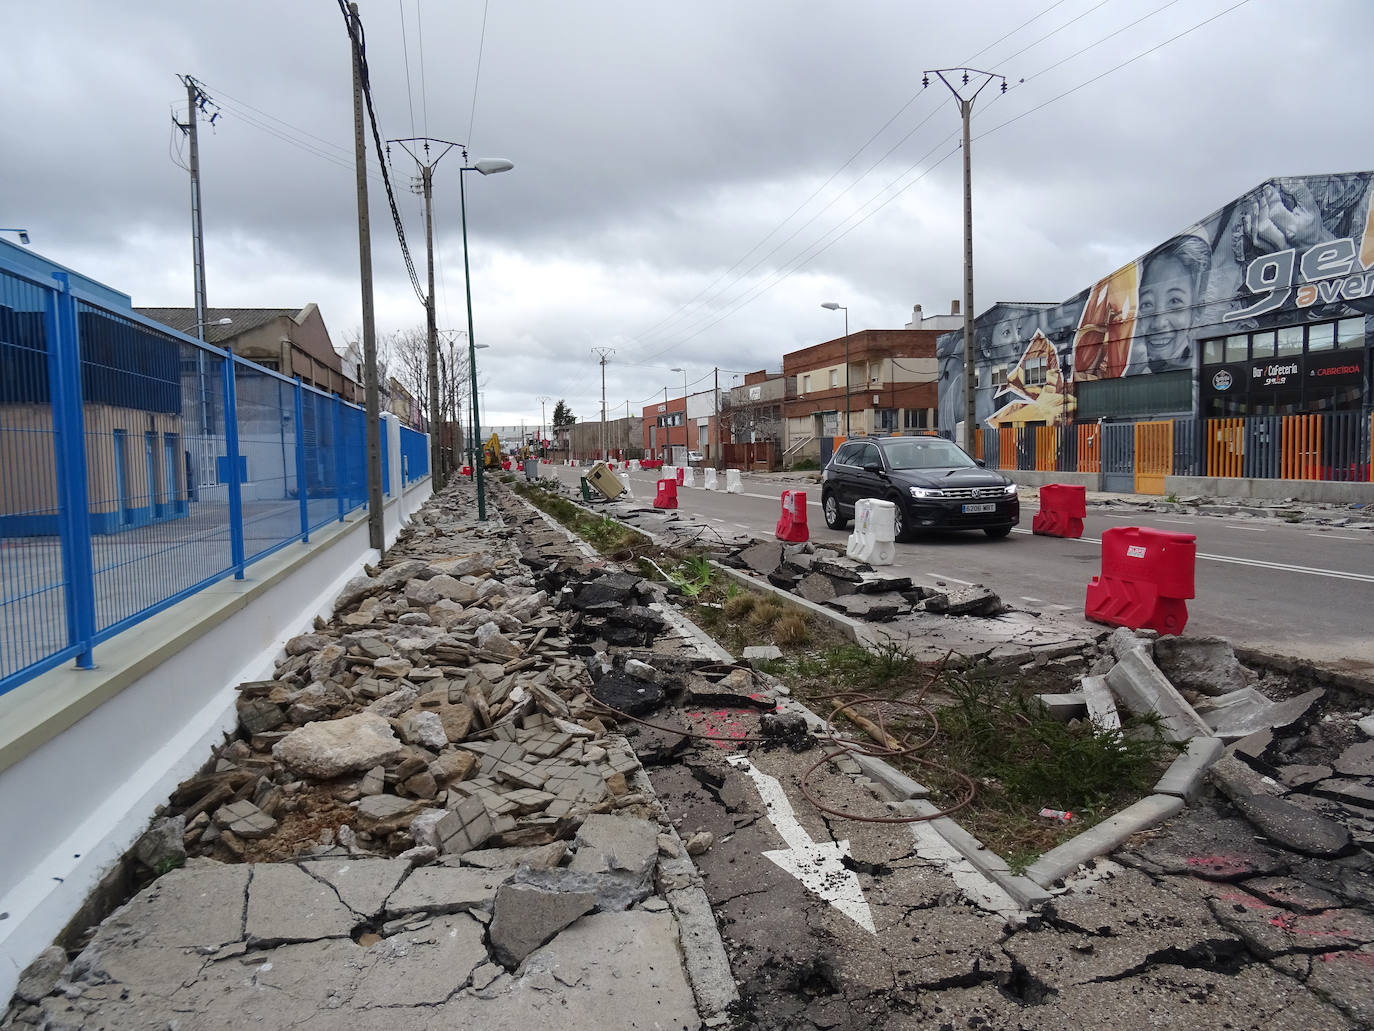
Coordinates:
x,y
477,76
405,57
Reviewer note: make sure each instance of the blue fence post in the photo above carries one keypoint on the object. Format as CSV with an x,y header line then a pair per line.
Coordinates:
x,y
231,448
301,478
64,379
340,471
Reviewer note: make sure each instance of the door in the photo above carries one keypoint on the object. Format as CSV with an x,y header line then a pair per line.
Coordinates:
x,y
150,472
1154,456
121,477
1118,457
868,484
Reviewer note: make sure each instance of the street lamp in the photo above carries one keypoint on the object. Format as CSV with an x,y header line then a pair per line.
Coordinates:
x,y
488,166
200,326
684,415
840,307
23,235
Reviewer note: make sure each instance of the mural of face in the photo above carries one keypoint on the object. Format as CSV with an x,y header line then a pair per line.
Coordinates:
x,y
1165,313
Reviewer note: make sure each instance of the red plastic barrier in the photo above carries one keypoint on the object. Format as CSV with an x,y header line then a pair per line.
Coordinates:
x,y
667,494
1147,575
1062,509
681,473
505,465
792,522
467,470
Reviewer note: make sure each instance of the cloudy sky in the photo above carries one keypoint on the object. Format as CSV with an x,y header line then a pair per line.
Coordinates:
x,y
692,180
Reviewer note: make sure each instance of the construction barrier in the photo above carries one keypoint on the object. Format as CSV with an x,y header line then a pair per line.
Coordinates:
x,y
668,473
467,470
1063,506
792,521
1147,577
681,473
732,482
601,477
531,471
505,465
634,464
708,479
667,494
875,530
687,477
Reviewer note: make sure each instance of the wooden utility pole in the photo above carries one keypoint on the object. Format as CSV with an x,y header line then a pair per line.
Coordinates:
x,y
376,533
603,353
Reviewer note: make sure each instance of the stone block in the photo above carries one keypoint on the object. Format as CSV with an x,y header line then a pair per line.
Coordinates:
x,y
423,728
1101,706
1138,682
465,827
245,820
1065,707
527,916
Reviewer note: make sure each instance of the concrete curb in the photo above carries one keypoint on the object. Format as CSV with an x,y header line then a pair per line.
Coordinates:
x,y
1102,839
1183,778
856,630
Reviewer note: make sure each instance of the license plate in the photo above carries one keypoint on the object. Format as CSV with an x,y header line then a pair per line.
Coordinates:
x,y
974,509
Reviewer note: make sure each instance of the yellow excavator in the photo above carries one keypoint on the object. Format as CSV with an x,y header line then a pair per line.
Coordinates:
x,y
491,453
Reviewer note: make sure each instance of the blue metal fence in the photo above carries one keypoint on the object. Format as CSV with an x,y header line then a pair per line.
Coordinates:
x,y
139,465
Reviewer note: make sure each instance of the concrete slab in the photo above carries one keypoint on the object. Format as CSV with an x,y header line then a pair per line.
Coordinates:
x,y
1102,839
1184,777
1139,683
445,889
286,904
363,885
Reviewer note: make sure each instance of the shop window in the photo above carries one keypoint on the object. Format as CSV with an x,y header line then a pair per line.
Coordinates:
x,y
1350,333
1132,396
1213,351
1289,340
1262,346
1321,338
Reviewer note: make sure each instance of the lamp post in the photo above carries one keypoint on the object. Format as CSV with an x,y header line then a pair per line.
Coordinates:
x,y
487,167
840,307
684,415
23,235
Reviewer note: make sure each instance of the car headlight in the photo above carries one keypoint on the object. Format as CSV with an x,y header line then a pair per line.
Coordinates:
x,y
923,493
1010,488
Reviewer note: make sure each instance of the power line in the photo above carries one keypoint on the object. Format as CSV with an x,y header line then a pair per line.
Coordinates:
x,y
405,56
973,57
477,76
360,43
1098,43
420,40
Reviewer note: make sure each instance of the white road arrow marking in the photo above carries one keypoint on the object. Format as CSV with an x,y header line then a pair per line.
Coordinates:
x,y
817,864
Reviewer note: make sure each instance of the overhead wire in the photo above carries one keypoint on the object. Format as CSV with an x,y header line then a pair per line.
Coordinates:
x,y
405,57
477,75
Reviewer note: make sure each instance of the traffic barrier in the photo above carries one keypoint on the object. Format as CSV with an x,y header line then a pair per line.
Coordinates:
x,y
505,465
467,470
687,477
634,464
1063,507
732,484
1147,577
708,479
531,471
681,474
875,532
605,481
667,494
668,472
792,522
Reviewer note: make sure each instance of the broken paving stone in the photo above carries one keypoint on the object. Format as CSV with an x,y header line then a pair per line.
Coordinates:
x,y
422,828
381,815
1204,664
245,820
526,916
762,558
700,843
392,666
642,671
373,782
491,640
331,748
258,716
762,652
975,600
423,728
1347,791
445,889
1238,714
465,828
816,587
163,844
1298,776
875,608
738,689
1293,827
452,767
606,842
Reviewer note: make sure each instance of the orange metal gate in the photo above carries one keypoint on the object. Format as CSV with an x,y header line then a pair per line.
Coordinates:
x,y
1154,455
1225,447
1301,454
1089,448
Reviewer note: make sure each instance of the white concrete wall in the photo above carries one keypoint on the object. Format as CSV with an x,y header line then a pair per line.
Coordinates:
x,y
86,756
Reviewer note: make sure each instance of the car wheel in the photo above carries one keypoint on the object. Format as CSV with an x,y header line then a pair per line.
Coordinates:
x,y
900,531
997,532
830,505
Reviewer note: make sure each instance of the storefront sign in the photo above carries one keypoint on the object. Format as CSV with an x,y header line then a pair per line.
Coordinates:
x,y
1337,369
1276,373
1222,380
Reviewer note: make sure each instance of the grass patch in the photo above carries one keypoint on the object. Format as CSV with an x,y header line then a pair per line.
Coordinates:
x,y
791,631
601,532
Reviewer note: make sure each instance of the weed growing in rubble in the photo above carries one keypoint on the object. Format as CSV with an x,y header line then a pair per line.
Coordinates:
x,y
765,613
740,605
791,631
694,575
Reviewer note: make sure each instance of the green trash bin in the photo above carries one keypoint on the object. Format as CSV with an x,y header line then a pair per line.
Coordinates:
x,y
586,489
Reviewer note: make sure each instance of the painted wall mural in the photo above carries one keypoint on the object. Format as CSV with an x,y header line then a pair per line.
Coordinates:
x,y
1291,251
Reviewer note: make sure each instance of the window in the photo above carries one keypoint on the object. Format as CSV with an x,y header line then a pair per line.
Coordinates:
x,y
1289,340
868,455
1132,396
999,376
1212,351
806,385
887,419
1350,333
1235,346
1035,371
1321,338
915,419
846,454
834,378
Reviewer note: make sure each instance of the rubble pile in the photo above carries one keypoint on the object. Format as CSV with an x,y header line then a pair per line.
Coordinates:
x,y
444,708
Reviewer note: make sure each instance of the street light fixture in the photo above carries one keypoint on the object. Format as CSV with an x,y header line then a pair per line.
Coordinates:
x,y
489,166
840,307
23,235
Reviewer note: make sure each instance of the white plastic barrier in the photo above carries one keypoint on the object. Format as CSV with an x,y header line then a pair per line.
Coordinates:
x,y
708,479
668,472
732,483
875,524
689,478
634,464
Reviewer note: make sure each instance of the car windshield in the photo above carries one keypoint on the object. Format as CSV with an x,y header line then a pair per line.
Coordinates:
x,y
926,453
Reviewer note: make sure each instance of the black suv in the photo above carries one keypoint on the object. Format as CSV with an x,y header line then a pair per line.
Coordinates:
x,y
933,482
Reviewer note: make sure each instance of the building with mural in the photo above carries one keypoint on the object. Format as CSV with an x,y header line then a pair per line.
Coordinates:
x,y
1260,309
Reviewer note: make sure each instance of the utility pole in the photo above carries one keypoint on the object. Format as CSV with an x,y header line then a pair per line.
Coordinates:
x,y
439,473
716,457
604,353
376,533
965,99
196,100
543,400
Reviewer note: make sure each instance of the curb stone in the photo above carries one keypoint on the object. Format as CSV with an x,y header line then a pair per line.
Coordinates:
x,y
1103,839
